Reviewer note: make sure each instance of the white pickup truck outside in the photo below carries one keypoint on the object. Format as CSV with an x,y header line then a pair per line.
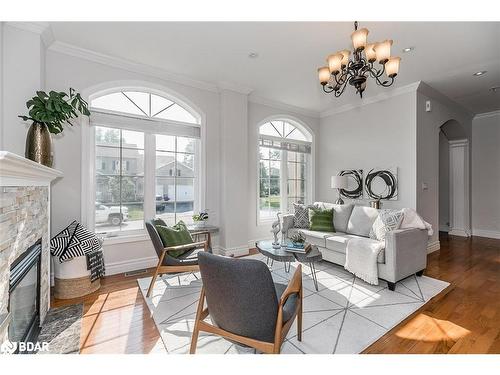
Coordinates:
x,y
112,214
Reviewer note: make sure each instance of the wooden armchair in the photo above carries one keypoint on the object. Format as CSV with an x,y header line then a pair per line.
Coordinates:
x,y
187,262
245,305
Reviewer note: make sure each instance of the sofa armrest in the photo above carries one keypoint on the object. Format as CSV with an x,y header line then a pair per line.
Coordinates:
x,y
405,252
287,223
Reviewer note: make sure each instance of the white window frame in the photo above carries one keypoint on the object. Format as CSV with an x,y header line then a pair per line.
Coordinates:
x,y
284,167
150,127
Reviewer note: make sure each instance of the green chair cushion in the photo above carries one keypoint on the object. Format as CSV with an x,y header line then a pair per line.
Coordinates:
x,y
321,219
174,236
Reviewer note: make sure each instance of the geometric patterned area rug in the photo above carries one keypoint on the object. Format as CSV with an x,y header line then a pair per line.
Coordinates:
x,y
346,315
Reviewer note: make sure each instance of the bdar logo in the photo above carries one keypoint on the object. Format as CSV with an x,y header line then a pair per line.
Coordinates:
x,y
8,347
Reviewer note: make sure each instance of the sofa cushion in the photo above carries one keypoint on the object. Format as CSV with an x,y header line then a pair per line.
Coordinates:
x,y
321,219
301,216
361,220
338,243
386,221
316,237
341,214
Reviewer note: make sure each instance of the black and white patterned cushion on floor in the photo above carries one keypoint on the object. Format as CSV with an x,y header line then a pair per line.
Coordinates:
x,y
346,315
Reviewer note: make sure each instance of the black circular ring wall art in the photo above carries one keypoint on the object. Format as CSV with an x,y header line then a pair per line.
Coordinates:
x,y
356,176
389,181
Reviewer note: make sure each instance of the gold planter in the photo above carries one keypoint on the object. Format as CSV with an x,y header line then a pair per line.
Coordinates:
x,y
39,144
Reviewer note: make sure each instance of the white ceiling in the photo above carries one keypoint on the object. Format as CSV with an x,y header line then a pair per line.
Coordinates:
x,y
445,56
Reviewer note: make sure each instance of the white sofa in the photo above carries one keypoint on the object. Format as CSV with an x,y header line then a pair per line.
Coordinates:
x,y
405,251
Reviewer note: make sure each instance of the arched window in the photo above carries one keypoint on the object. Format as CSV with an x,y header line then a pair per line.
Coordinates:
x,y
147,157
284,167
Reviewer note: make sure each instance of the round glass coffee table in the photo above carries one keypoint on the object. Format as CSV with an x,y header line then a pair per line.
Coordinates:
x,y
281,255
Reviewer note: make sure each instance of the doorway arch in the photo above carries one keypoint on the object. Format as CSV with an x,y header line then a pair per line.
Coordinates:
x,y
454,185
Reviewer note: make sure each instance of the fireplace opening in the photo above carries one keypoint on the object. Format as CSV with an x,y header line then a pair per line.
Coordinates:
x,y
24,295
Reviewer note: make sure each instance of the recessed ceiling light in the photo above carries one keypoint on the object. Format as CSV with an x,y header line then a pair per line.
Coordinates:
x,y
480,73
495,88
408,49
253,55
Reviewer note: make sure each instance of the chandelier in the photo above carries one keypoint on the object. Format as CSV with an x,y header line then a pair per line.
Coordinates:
x,y
342,69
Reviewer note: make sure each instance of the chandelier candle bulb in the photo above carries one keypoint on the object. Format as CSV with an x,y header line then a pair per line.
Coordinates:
x,y
359,39
334,62
324,75
345,57
392,66
383,51
370,53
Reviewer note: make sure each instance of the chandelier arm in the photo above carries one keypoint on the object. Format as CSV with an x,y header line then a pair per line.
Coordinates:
x,y
342,79
341,91
383,83
326,90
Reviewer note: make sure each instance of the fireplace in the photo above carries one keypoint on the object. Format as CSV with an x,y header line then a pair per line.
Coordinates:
x,y
24,295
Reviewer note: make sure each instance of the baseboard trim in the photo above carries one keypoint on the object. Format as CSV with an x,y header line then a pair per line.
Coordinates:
x,y
130,265
459,232
444,228
239,250
433,246
486,233
233,251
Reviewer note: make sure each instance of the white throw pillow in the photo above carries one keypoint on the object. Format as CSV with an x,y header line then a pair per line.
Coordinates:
x,y
386,221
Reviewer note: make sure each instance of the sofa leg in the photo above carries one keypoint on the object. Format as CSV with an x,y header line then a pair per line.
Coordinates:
x,y
392,286
421,272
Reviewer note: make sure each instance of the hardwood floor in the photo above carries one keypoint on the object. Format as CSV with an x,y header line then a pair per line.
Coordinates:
x,y
465,318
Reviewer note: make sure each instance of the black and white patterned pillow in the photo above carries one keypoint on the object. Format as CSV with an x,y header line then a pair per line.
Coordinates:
x,y
386,221
73,241
301,216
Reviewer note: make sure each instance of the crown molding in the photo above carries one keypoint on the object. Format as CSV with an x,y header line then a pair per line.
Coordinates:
x,y
283,106
412,87
41,28
131,66
244,90
432,93
487,114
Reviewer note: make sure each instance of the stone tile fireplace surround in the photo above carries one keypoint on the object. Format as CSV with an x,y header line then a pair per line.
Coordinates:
x,y
24,219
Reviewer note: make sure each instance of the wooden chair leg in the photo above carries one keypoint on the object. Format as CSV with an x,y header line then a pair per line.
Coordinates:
x,y
299,321
153,280
196,330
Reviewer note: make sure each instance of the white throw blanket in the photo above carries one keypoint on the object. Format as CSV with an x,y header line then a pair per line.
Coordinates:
x,y
361,258
361,254
413,220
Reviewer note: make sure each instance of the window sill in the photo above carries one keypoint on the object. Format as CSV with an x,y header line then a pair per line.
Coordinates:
x,y
125,239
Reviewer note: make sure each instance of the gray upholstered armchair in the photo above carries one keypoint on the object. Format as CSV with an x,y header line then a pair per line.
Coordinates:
x,y
187,262
244,303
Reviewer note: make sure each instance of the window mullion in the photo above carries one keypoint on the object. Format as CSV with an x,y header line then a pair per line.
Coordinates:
x,y
149,176
284,181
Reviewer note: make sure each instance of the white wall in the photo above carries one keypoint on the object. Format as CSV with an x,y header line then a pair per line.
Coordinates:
x,y
23,74
234,163
427,158
444,183
381,134
257,113
486,175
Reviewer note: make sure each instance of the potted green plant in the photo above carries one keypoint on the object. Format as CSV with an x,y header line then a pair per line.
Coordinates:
x,y
48,113
201,217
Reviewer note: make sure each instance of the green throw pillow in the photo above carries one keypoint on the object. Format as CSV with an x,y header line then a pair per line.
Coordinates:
x,y
321,220
174,236
159,221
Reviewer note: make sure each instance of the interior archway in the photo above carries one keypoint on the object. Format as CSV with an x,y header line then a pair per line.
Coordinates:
x,y
453,179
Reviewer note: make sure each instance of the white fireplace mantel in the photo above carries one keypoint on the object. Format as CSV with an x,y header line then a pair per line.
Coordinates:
x,y
16,170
